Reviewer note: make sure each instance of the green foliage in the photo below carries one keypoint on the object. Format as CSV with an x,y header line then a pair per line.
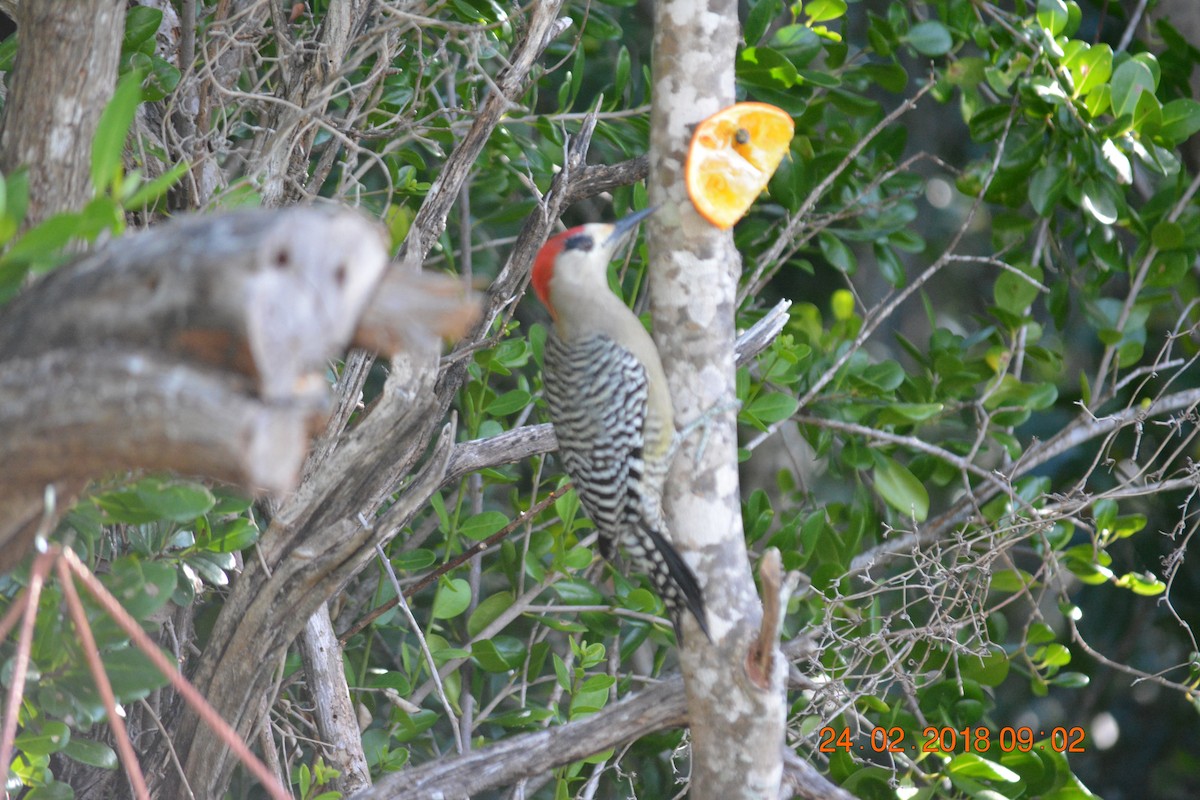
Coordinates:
x,y
960,301
160,542
309,781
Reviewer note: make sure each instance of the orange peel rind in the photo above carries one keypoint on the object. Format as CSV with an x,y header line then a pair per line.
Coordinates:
x,y
732,156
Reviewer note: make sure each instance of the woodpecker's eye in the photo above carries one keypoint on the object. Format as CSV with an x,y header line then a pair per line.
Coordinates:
x,y
580,241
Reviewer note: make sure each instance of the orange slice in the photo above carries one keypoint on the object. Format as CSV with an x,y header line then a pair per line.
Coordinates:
x,y
732,156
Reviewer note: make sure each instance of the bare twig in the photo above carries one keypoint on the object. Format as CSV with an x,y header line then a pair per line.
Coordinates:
x,y
415,628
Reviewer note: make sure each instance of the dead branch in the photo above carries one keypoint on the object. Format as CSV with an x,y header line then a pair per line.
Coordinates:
x,y
509,760
269,295
198,347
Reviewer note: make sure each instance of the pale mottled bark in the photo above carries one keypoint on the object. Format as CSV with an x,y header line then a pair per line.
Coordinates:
x,y
737,726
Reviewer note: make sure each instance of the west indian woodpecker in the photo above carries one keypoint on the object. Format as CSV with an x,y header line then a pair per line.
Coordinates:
x,y
611,409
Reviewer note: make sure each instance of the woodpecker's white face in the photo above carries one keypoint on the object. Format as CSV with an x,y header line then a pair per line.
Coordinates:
x,y
579,257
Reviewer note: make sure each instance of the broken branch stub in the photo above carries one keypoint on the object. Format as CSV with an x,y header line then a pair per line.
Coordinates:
x,y
198,347
270,295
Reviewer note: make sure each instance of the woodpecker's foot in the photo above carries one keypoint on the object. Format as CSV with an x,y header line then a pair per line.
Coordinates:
x,y
702,422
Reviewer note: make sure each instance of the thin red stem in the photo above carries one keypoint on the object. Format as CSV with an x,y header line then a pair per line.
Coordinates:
x,y
16,690
188,692
133,770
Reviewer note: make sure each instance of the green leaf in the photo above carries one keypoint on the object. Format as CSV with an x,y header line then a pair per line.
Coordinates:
x,y
1116,162
762,66
836,252
211,566
623,68
576,592
232,535
149,193
1052,15
487,611
566,505
900,488
973,766
499,654
1011,580
112,131
824,10
94,754
988,670
1052,655
1180,120
413,560
1167,235
1128,82
989,123
889,265
452,598
141,586
132,673
1091,69
41,247
141,24
8,53
1046,188
1014,293
54,790
1071,680
915,412
762,12
1144,584
773,407
798,43
509,403
49,738
1098,201
482,525
177,501
930,38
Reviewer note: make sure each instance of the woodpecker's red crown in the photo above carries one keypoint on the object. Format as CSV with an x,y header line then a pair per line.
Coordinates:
x,y
580,239
543,265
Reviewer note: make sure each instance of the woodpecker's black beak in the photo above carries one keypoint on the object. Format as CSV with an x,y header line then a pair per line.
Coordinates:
x,y
622,227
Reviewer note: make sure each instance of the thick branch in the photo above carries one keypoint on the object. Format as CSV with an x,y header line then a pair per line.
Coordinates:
x,y
509,760
69,416
335,717
198,347
270,295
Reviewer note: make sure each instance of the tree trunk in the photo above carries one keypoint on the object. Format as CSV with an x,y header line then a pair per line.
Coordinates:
x,y
737,723
65,73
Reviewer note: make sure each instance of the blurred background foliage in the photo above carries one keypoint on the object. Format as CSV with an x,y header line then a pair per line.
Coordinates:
x,y
975,437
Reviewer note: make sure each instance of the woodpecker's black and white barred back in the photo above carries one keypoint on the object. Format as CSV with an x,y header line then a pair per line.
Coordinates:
x,y
597,394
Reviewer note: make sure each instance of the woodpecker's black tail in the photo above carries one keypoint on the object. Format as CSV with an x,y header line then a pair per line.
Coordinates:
x,y
675,582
